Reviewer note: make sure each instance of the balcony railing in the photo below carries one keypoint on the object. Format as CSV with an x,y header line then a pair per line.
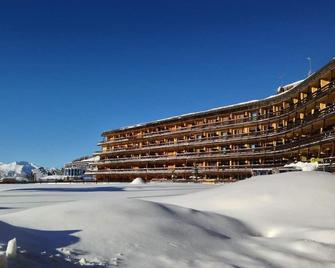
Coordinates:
x,y
322,91
231,137
189,169
230,153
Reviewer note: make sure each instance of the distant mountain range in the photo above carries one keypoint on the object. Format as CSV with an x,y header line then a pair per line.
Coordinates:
x,y
16,169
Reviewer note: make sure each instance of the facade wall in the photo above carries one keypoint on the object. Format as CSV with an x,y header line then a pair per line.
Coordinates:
x,y
228,143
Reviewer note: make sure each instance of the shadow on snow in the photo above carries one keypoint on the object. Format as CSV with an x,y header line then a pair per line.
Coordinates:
x,y
37,248
73,189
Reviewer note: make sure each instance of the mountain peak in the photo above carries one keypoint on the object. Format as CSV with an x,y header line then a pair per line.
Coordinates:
x,y
17,168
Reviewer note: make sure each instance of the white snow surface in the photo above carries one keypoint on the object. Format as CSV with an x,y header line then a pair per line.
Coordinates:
x,y
138,181
92,159
283,220
51,178
304,166
291,85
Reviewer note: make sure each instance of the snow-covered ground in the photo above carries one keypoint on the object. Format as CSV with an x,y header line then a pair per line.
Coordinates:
x,y
285,220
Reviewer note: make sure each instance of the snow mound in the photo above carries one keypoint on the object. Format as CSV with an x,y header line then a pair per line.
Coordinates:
x,y
138,181
304,166
52,178
274,205
282,220
138,233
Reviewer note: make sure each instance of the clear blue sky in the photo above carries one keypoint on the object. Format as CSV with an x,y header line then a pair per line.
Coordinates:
x,y
71,69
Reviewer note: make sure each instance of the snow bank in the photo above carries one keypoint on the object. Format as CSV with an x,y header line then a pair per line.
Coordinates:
x,y
274,205
52,178
304,166
21,179
282,220
133,232
138,181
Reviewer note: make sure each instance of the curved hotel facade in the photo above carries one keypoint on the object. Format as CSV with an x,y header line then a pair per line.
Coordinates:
x,y
231,142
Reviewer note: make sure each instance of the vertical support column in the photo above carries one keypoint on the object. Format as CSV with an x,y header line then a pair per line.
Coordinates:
x,y
319,151
308,156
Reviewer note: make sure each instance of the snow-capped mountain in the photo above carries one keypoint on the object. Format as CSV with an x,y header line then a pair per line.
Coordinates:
x,y
16,169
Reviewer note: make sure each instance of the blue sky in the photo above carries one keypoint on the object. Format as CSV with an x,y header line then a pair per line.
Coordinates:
x,y
71,69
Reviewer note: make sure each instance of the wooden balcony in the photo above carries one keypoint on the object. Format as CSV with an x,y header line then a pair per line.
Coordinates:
x,y
241,153
228,139
190,170
321,92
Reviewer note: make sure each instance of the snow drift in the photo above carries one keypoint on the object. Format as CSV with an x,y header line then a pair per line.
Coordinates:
x,y
304,166
138,181
284,220
52,178
274,204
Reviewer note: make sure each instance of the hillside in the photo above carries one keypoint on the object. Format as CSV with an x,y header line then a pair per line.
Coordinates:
x,y
16,169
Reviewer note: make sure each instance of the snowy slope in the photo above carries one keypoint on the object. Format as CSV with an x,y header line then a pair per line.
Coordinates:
x,y
14,169
275,206
284,220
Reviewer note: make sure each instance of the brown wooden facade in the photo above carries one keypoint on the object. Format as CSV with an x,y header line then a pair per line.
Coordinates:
x,y
228,143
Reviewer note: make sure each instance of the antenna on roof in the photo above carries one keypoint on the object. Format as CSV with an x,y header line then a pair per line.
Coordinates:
x,y
310,66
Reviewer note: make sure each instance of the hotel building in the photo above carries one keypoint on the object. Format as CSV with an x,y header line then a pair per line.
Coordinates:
x,y
231,142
